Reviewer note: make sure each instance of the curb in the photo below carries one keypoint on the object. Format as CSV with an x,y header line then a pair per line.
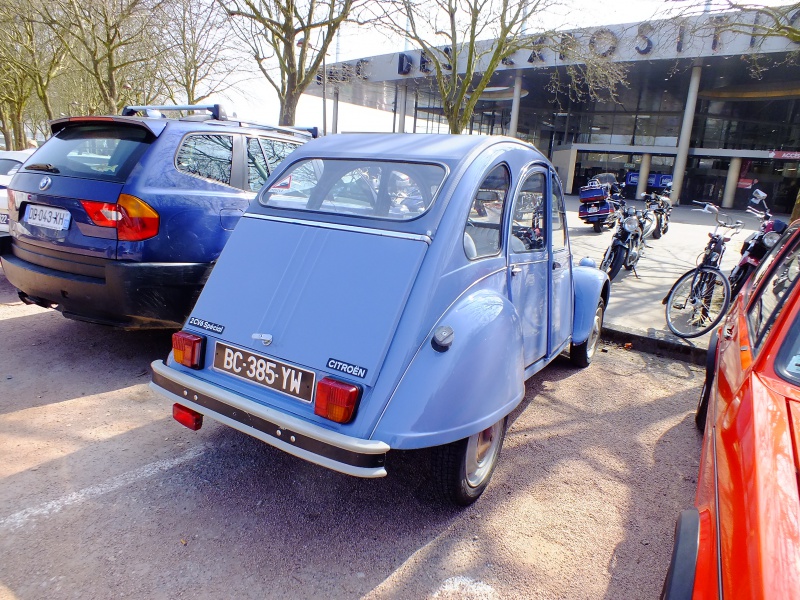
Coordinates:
x,y
654,341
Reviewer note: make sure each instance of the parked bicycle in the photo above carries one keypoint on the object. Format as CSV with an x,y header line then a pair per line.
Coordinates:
x,y
700,298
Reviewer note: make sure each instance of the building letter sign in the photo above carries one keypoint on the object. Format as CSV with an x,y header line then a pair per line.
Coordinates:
x,y
603,42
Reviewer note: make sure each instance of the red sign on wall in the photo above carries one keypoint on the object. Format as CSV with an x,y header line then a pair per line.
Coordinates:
x,y
785,154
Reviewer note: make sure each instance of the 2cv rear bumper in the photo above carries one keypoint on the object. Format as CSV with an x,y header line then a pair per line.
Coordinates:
x,y
311,442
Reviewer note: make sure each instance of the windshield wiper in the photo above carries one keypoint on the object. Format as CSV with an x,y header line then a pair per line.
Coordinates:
x,y
46,167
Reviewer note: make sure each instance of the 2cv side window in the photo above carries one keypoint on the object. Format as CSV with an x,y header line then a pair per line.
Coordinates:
x,y
529,226
482,232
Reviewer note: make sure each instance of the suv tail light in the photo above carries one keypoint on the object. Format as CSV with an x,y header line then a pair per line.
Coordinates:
x,y
12,202
134,219
187,349
336,400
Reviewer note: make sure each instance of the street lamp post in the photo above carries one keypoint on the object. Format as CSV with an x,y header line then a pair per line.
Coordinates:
x,y
300,43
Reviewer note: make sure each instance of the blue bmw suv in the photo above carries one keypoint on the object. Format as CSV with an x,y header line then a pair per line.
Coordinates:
x,y
119,219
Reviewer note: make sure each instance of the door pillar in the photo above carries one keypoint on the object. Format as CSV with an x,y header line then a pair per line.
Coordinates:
x,y
512,126
644,173
401,101
686,134
731,182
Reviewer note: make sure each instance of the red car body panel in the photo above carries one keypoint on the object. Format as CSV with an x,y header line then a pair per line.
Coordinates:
x,y
748,493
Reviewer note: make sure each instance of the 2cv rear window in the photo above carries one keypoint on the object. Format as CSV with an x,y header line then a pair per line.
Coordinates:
x,y
366,188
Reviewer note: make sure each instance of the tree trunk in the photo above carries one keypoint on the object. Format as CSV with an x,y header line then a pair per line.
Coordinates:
x,y
288,110
5,129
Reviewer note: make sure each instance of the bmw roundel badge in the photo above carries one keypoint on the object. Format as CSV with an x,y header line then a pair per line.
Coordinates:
x,y
45,183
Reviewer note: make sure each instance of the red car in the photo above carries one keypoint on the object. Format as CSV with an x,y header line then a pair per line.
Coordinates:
x,y
742,538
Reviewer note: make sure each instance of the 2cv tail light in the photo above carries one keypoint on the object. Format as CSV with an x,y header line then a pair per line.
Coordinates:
x,y
187,417
336,400
187,349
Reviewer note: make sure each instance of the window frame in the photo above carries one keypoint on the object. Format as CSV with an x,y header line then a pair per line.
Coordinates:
x,y
289,168
237,173
759,334
531,171
504,232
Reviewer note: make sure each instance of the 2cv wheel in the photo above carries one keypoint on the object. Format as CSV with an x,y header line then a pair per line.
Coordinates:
x,y
581,354
462,469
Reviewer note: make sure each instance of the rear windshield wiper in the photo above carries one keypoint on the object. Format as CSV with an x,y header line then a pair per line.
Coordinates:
x,y
47,167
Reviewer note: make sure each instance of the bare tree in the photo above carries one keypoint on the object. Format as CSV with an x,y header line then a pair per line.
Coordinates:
x,y
198,54
105,38
15,83
757,19
463,42
37,53
288,40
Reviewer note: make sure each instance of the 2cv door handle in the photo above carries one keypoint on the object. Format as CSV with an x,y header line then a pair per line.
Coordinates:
x,y
556,265
516,269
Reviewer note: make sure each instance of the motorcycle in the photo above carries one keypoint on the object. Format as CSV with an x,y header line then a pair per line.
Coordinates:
x,y
661,207
626,245
758,244
600,201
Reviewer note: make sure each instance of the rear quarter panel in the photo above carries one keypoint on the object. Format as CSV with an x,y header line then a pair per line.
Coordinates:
x,y
192,210
446,396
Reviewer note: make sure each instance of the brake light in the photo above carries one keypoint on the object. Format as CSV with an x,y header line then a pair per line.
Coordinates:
x,y
187,349
187,417
12,202
134,219
336,400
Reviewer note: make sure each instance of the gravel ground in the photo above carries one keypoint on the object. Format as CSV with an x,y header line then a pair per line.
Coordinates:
x,y
103,495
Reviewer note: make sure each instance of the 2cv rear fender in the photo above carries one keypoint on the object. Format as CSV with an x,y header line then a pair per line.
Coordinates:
x,y
449,394
590,285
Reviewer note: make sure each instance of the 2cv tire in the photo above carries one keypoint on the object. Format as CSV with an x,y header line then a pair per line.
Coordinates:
x,y
581,354
462,470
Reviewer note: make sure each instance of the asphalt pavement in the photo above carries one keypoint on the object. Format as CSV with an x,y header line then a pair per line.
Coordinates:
x,y
635,314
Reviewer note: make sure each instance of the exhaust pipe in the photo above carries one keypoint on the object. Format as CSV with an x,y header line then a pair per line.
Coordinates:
x,y
30,300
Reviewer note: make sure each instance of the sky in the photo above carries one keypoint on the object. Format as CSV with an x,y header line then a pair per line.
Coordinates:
x,y
260,103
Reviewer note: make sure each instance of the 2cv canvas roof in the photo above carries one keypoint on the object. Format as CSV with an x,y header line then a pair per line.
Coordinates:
x,y
455,152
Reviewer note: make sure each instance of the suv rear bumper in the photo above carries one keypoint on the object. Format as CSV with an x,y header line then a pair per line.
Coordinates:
x,y
130,295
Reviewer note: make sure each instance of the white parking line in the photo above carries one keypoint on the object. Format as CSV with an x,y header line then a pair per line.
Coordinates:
x,y
20,518
465,587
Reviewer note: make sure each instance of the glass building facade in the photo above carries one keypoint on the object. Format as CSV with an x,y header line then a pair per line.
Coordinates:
x,y
744,129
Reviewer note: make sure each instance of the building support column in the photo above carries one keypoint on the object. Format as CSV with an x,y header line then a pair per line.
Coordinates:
x,y
512,126
686,134
731,182
336,110
402,101
644,173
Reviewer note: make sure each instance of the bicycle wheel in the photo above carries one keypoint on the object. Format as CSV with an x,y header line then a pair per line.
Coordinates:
x,y
697,302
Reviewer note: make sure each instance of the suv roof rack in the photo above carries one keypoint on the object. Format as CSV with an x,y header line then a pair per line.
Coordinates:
x,y
217,112
306,131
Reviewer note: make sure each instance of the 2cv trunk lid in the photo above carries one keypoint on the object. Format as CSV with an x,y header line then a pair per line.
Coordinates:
x,y
323,299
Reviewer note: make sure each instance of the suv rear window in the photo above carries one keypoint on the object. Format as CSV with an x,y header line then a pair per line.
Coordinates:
x,y
365,188
102,151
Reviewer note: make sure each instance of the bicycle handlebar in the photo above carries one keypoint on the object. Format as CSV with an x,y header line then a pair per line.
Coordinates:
x,y
708,207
